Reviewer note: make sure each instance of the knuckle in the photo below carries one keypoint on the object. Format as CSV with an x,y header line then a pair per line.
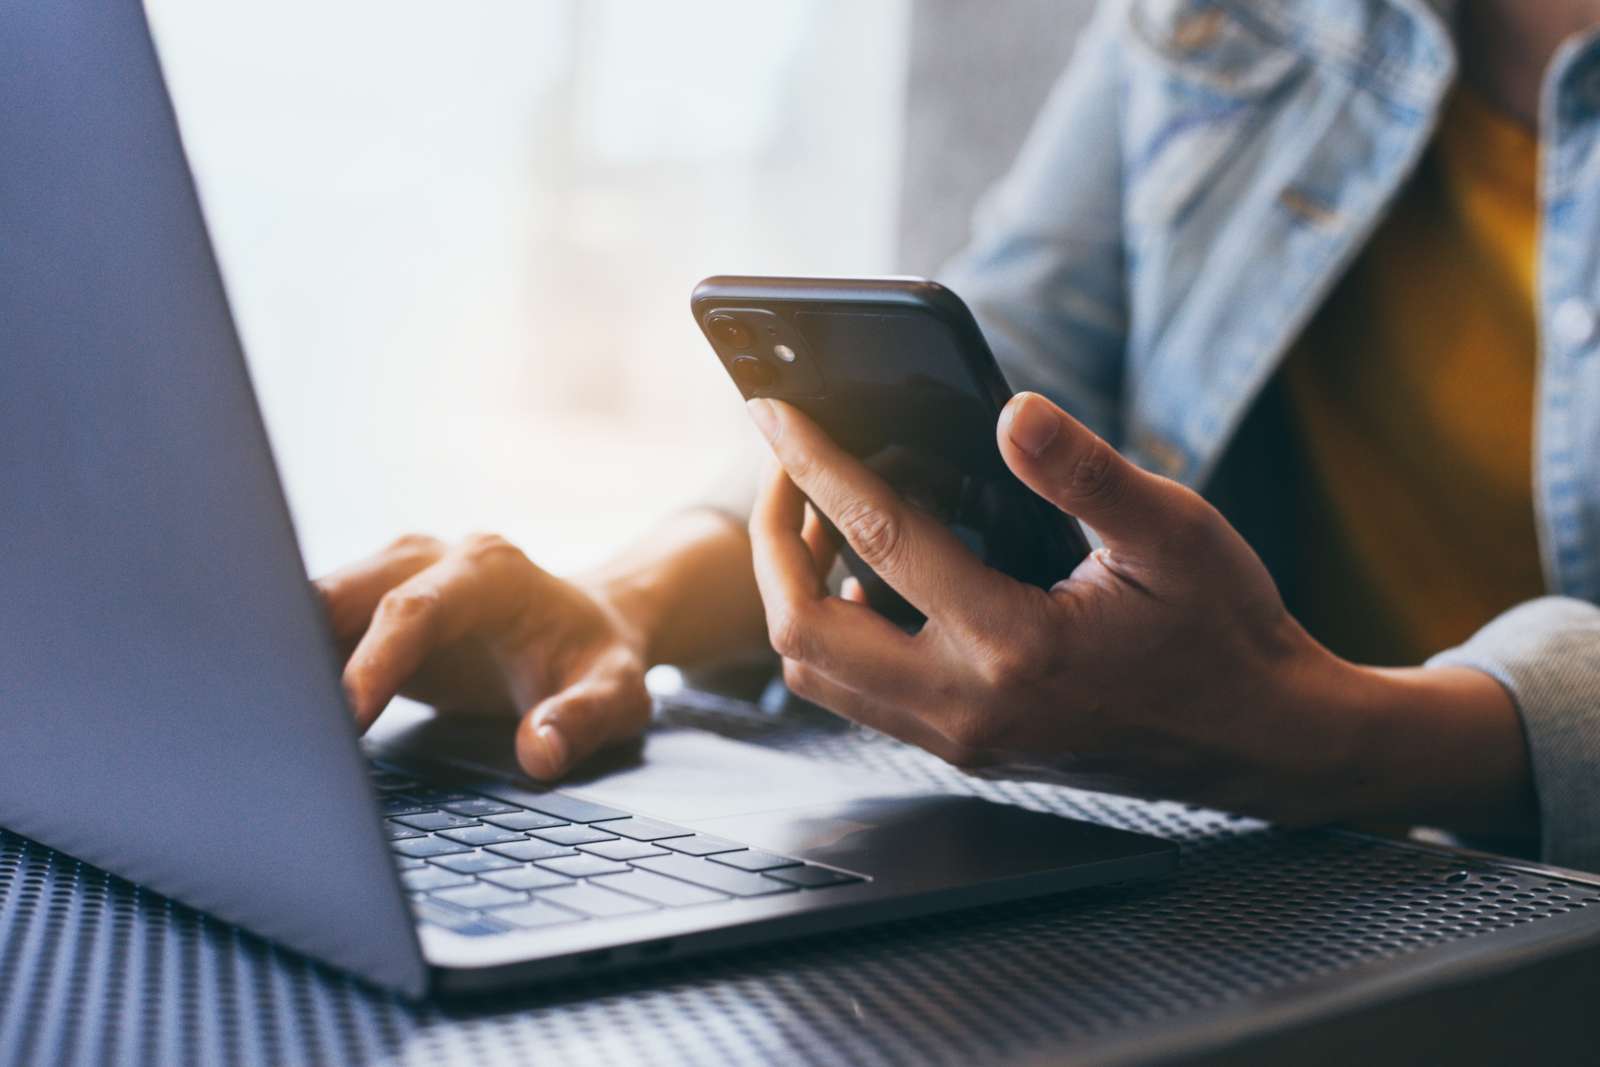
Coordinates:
x,y
1004,666
416,544
408,605
1094,476
484,544
876,533
801,467
488,549
788,631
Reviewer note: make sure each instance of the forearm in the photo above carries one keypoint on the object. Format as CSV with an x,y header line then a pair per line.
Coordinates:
x,y
687,591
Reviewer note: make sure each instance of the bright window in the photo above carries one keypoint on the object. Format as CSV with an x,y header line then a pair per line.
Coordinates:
x,y
459,238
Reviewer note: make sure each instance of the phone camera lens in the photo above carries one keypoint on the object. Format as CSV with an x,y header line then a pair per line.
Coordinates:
x,y
730,331
751,373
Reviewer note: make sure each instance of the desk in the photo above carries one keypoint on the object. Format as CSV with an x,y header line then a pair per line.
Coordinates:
x,y
1268,945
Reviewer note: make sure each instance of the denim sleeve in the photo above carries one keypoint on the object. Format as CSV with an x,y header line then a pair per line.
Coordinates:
x,y
1546,653
1043,272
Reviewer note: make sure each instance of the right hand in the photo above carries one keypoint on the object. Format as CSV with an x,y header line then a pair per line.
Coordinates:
x,y
478,627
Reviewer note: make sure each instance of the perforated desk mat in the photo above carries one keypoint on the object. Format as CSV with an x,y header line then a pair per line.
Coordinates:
x,y
95,971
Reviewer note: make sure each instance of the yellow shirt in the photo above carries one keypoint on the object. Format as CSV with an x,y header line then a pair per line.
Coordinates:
x,y
1413,396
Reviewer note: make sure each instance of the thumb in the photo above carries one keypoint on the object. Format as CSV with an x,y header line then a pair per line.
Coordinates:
x,y
606,706
1059,458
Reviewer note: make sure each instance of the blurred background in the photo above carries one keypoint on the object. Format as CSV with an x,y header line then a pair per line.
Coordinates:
x,y
459,239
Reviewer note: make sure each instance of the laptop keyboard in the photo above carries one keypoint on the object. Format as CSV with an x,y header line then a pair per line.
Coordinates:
x,y
479,864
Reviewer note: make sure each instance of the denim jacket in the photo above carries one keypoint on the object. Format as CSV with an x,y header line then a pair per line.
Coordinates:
x,y
1197,183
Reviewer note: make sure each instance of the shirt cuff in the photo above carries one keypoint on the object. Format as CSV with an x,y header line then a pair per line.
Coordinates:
x,y
1546,653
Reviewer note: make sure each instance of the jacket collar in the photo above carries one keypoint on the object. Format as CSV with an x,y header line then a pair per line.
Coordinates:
x,y
1401,49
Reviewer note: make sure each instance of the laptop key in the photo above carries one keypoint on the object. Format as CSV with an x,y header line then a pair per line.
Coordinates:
x,y
435,820
427,847
427,878
813,877
582,866
754,860
474,862
385,773
622,850
462,923
592,900
402,805
568,809
538,913
528,850
480,928
408,863
478,807
482,835
699,845
524,820
436,796
396,832
668,892
637,829
479,895
703,872
572,835
526,878
446,915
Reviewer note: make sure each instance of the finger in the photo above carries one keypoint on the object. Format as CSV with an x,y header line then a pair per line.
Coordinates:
x,y
478,585
352,592
607,705
813,685
850,641
1059,458
822,542
785,566
788,560
913,553
852,591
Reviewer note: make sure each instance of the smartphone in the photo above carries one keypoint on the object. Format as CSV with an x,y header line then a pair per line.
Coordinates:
x,y
897,372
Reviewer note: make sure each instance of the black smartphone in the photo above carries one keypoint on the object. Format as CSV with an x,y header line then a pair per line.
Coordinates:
x,y
897,372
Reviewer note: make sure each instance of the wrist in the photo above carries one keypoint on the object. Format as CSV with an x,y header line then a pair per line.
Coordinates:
x,y
1432,746
668,595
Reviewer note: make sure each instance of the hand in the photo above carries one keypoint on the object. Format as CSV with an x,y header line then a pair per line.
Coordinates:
x,y
479,628
1164,665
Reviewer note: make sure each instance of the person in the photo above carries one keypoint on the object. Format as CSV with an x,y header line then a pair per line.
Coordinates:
x,y
1317,286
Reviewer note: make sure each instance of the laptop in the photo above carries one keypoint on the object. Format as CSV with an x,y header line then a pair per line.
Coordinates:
x,y
172,707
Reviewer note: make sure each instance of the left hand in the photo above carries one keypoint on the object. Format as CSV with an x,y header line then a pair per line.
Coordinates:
x,y
1165,665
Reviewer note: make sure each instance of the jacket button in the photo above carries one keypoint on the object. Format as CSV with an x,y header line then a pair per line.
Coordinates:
x,y
1574,322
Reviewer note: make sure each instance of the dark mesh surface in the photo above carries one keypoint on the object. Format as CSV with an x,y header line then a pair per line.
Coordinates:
x,y
94,971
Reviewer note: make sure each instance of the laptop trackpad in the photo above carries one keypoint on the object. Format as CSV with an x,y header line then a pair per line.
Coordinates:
x,y
675,773
691,775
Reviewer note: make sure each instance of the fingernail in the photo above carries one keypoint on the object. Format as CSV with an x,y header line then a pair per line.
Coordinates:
x,y
763,416
555,747
1033,424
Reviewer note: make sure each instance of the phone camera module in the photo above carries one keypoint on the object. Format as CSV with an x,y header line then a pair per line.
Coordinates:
x,y
751,373
731,332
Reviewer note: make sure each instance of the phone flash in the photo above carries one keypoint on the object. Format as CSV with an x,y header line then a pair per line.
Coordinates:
x,y
783,352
